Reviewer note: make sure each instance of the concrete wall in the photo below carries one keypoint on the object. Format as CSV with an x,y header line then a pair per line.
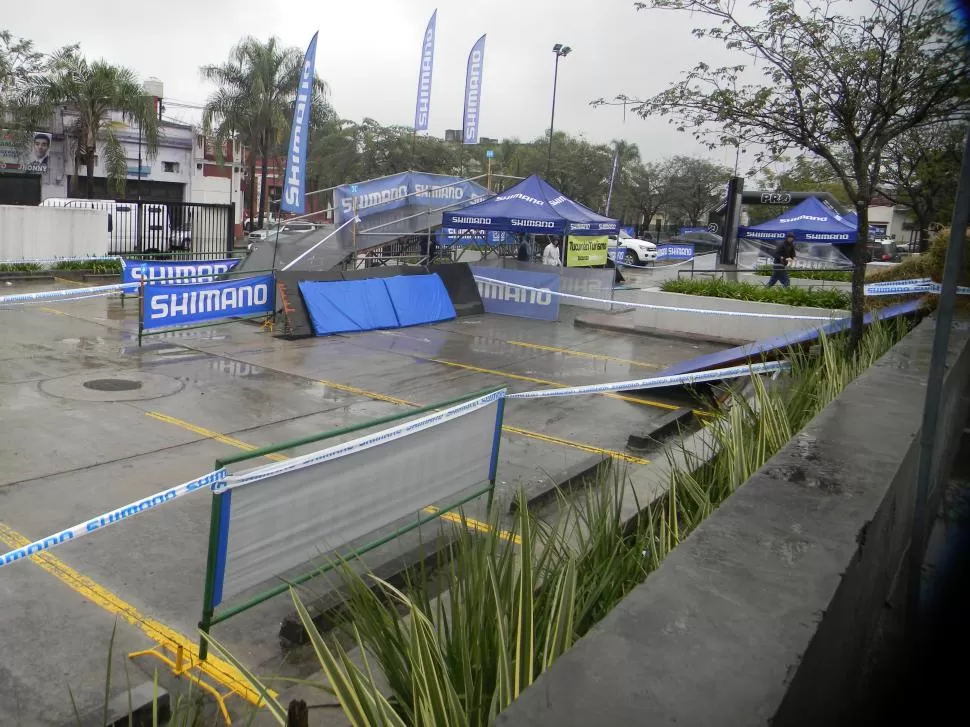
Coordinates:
x,y
778,608
51,232
738,328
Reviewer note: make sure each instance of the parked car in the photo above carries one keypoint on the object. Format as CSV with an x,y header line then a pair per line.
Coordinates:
x,y
298,227
703,242
633,251
159,232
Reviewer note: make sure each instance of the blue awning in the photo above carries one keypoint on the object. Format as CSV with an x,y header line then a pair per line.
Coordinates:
x,y
532,205
811,221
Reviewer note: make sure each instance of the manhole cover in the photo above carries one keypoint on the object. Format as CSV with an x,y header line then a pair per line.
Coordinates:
x,y
112,385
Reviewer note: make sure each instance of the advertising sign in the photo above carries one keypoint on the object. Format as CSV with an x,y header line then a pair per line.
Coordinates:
x,y
34,157
294,182
675,252
399,190
509,300
422,106
473,91
183,272
182,305
583,252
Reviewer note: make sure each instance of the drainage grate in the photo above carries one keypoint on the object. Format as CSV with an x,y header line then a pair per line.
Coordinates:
x,y
112,384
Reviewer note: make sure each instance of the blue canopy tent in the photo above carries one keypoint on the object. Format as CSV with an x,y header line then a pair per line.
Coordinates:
x,y
533,205
812,221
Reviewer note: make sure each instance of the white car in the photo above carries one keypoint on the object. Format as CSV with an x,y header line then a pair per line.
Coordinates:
x,y
631,251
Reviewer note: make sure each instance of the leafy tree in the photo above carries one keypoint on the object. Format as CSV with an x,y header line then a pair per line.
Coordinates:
x,y
18,62
257,90
694,187
90,93
805,175
649,189
838,86
920,171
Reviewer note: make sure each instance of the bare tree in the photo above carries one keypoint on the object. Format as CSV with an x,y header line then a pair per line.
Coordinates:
x,y
841,87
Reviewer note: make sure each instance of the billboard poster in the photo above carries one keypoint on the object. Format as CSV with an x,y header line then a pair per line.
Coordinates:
x,y
34,157
586,251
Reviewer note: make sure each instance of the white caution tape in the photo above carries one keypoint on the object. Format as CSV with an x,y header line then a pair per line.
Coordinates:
x,y
358,445
657,382
67,293
675,309
111,517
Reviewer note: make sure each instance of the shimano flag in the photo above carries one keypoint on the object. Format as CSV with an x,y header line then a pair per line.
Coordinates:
x,y
294,183
423,106
473,91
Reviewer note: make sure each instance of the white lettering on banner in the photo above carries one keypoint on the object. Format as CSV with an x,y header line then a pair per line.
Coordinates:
x,y
208,301
557,201
292,192
424,85
827,236
523,197
453,191
799,218
374,199
533,223
474,90
514,294
583,226
472,220
202,273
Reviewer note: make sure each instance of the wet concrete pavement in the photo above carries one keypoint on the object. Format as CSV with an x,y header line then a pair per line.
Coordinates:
x,y
68,452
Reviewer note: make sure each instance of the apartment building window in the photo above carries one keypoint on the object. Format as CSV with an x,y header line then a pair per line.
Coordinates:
x,y
172,167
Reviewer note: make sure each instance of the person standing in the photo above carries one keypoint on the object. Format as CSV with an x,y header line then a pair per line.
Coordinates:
x,y
550,255
523,256
784,255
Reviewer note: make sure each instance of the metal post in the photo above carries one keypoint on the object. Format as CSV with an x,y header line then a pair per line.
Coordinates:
x,y
353,233
934,393
429,238
215,518
552,121
141,311
496,443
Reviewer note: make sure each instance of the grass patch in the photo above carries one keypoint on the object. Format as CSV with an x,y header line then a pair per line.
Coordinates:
x,y
838,276
831,299
96,267
20,268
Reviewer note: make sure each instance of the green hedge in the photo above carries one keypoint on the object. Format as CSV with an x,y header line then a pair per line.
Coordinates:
x,y
759,293
838,276
97,267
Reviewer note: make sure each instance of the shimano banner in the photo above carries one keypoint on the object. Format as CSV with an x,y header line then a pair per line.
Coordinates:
x,y
184,272
510,300
675,252
294,183
423,105
181,305
473,91
399,190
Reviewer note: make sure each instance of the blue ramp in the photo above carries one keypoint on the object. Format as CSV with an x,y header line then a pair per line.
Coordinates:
x,y
346,306
419,299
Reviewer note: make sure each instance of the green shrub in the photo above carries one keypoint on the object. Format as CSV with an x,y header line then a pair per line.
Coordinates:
x,y
20,268
97,267
840,276
831,299
928,265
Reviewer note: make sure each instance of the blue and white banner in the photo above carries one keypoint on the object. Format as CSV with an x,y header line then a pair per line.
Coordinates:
x,y
182,305
473,91
294,183
675,252
686,230
188,271
630,231
423,105
448,236
519,293
399,190
112,517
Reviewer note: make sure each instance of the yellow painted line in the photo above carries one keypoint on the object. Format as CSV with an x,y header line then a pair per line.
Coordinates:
x,y
209,434
582,354
363,392
69,282
474,524
218,670
577,445
55,311
556,384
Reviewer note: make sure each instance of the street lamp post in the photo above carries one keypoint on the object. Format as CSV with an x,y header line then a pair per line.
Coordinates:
x,y
561,51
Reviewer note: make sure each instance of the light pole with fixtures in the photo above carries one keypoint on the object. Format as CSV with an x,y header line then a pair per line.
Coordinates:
x,y
561,51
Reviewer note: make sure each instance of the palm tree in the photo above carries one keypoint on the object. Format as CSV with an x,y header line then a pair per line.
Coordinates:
x,y
89,93
257,90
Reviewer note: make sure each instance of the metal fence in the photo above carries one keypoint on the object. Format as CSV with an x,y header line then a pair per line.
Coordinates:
x,y
154,227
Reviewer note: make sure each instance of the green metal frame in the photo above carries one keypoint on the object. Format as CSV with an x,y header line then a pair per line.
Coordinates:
x,y
209,616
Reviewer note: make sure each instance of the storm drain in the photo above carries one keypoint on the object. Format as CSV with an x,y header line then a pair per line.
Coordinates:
x,y
112,384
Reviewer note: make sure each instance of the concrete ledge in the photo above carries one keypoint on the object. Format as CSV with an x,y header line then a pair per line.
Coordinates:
x,y
625,322
667,424
775,610
140,699
561,481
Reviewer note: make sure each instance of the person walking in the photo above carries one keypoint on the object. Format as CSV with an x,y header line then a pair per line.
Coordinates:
x,y
784,255
550,255
523,256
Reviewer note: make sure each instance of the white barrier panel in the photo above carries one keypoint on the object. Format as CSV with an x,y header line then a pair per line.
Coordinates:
x,y
278,517
55,232
656,382
628,304
100,522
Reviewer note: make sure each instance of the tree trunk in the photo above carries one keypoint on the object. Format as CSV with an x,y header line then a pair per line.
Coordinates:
x,y
252,188
859,275
263,192
89,161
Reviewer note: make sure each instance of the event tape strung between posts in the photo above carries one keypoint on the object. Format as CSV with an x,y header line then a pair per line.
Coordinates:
x,y
358,445
219,480
676,309
111,517
39,260
657,382
68,293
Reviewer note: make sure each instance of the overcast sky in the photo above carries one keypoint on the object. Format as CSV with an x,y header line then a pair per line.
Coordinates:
x,y
369,52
